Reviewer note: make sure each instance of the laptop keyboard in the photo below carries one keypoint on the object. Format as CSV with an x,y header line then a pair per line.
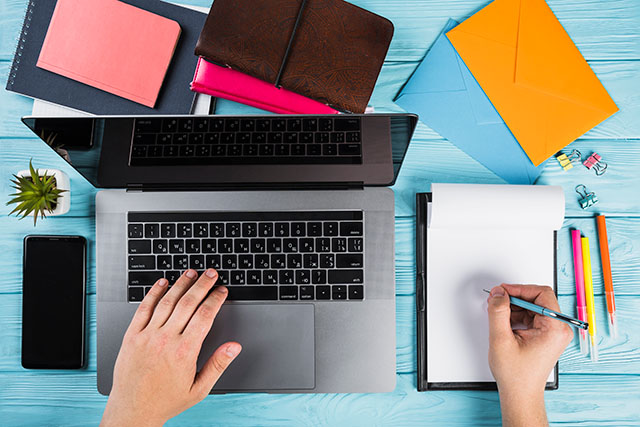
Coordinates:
x,y
248,140
259,255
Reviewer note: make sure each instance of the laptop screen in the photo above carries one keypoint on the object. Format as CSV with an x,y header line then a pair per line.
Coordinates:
x,y
189,150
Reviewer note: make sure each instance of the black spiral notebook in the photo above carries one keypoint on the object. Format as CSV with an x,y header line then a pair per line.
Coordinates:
x,y
471,237
175,97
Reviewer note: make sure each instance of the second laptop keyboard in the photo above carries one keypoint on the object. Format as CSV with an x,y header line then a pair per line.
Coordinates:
x,y
298,255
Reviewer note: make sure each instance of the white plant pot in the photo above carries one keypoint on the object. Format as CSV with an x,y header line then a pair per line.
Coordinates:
x,y
62,182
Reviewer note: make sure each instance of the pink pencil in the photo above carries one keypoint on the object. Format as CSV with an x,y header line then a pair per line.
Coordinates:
x,y
580,297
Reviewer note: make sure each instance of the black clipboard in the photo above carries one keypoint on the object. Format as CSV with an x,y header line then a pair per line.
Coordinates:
x,y
421,307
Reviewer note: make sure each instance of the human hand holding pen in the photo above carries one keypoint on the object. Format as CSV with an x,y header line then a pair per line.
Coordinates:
x,y
522,359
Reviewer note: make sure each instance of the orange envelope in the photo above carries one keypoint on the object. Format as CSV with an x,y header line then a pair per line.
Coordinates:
x,y
533,74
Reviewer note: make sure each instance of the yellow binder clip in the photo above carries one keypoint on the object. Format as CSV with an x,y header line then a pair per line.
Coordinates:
x,y
566,161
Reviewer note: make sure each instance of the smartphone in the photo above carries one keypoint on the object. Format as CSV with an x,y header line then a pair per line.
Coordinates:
x,y
53,302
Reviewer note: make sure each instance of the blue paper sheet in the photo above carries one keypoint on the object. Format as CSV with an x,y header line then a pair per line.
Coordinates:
x,y
444,93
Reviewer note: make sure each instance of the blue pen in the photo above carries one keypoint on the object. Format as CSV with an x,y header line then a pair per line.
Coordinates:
x,y
546,312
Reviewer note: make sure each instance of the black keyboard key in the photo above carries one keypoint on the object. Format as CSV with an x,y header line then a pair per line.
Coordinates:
x,y
248,125
135,231
290,138
281,150
274,138
326,125
192,246
278,261
259,138
269,277
216,125
294,261
274,245
306,245
339,292
306,138
265,229
196,138
213,261
234,150
227,138
144,139
212,138
160,246
181,138
339,244
142,262
249,229
290,245
288,292
330,228
209,246
252,293
329,150
203,151
351,229
243,138
185,125
298,150
139,246
254,277
318,277
354,244
196,262
286,277
154,151
200,230
327,261
164,262
262,261
266,150
278,125
303,277
170,151
136,294
169,125
310,125
241,246
352,124
216,229
151,125
139,151
306,293
246,262
250,150
223,278
187,150
181,262
144,277
164,139
294,125
356,292
346,276
258,246
281,229
233,229
349,261
151,231
323,292
172,276
349,149
184,230
200,124
314,229
176,246
225,246
236,277
323,137
353,137
323,244
314,150
229,262
298,229
310,260
231,125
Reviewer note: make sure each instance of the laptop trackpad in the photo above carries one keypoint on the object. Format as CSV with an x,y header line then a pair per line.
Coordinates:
x,y
278,346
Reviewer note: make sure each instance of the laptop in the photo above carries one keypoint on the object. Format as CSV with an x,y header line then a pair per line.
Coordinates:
x,y
293,212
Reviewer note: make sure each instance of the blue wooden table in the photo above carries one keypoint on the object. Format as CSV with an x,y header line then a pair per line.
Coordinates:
x,y
607,32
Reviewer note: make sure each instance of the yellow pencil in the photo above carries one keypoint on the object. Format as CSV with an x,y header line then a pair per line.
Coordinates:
x,y
588,293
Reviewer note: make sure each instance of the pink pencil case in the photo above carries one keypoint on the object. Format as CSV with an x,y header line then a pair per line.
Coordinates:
x,y
223,82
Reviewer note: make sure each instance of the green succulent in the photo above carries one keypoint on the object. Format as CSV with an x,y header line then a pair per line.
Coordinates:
x,y
34,194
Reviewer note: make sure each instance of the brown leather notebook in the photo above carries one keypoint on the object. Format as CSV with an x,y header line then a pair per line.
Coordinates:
x,y
327,50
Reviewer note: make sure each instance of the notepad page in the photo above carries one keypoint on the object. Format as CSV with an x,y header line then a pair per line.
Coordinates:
x,y
463,257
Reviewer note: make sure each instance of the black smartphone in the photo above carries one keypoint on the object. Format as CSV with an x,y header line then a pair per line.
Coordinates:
x,y
53,302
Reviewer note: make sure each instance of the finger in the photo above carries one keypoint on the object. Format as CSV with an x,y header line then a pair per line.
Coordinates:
x,y
521,318
541,295
188,304
499,316
214,367
147,306
168,302
201,322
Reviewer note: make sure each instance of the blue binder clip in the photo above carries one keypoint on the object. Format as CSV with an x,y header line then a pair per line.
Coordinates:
x,y
587,198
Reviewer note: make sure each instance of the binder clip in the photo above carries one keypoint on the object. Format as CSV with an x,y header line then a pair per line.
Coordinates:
x,y
586,198
566,162
595,162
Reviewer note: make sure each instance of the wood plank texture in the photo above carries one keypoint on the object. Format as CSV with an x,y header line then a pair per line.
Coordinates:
x,y
606,393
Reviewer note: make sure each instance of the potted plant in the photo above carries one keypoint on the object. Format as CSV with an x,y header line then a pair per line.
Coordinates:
x,y
40,193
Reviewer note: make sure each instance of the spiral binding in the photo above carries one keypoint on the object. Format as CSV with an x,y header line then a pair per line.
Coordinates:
x,y
21,42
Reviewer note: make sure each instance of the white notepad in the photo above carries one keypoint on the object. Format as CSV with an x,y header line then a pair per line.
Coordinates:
x,y
479,236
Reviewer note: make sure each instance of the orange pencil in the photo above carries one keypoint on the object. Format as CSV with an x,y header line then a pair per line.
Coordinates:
x,y
606,273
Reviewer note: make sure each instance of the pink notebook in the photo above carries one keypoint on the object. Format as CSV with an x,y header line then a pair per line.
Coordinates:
x,y
110,45
223,82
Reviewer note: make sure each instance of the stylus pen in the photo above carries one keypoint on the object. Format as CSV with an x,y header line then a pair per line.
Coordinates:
x,y
546,312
